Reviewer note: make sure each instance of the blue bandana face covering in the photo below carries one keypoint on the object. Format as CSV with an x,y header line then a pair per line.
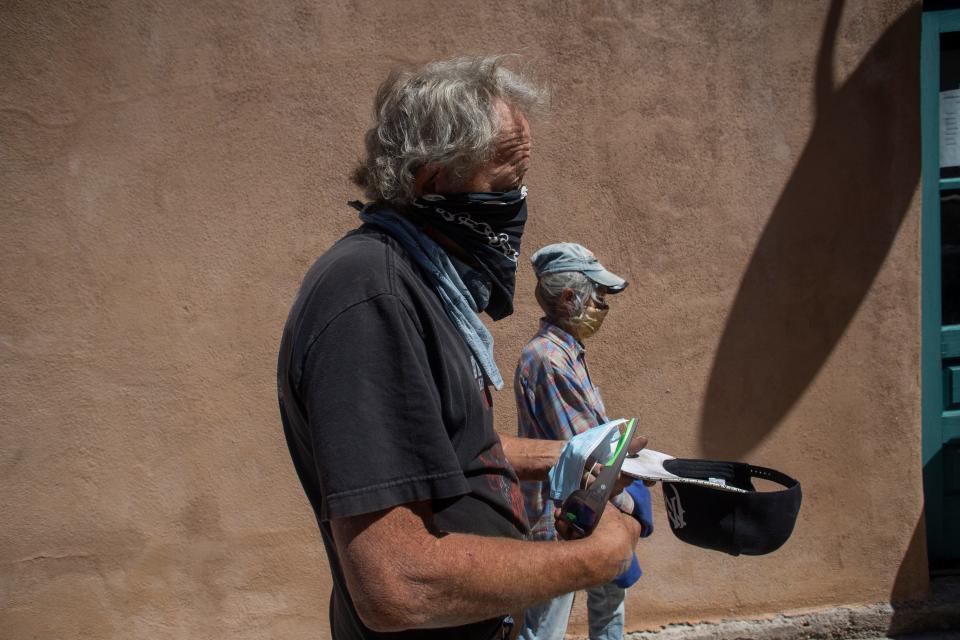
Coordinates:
x,y
488,227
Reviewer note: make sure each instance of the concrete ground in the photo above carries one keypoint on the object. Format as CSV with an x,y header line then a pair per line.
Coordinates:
x,y
937,618
939,635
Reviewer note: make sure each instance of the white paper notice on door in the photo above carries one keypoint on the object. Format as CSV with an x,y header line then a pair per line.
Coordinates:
x,y
950,128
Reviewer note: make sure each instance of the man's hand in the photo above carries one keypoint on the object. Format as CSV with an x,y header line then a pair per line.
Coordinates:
x,y
618,497
615,531
621,533
637,443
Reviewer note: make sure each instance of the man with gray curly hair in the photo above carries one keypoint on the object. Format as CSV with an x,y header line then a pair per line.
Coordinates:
x,y
385,370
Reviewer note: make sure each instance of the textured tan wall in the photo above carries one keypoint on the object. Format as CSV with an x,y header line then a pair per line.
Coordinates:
x,y
168,170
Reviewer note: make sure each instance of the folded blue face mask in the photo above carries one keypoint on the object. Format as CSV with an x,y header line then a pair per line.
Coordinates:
x,y
597,443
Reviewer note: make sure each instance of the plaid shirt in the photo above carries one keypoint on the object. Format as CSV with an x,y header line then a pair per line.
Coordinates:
x,y
555,401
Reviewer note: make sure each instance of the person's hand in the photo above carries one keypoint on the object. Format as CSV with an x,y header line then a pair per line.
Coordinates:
x,y
637,443
617,535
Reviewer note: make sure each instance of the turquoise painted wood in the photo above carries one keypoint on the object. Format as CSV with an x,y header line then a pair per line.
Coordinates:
x,y
940,345
949,337
951,385
950,426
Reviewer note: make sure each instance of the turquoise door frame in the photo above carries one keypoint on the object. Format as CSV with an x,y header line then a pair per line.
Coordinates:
x,y
940,374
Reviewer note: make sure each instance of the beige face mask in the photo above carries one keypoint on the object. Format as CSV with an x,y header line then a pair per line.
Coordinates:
x,y
589,320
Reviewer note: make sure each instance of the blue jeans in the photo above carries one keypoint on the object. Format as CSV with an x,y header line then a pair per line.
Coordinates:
x,y
548,620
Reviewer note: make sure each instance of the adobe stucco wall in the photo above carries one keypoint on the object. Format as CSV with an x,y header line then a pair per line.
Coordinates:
x,y
168,170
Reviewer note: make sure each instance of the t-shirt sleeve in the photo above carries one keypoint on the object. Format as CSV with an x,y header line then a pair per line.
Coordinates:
x,y
374,413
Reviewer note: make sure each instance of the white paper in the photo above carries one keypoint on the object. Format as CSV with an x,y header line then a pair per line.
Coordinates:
x,y
950,128
648,465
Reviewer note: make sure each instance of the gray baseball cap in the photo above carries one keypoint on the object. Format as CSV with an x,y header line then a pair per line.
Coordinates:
x,y
570,256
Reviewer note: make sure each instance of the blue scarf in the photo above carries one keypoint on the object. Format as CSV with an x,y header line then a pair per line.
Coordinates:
x,y
454,294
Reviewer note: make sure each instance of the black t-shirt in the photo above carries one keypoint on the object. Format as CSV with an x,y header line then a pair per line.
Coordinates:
x,y
383,405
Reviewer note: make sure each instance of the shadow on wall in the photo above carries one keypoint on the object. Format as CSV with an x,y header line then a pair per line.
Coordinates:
x,y
921,605
912,581
825,241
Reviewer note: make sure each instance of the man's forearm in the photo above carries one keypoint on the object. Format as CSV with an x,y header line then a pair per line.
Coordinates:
x,y
486,577
402,576
531,458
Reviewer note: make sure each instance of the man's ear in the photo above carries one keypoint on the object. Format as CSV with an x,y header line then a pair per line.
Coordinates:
x,y
568,297
427,178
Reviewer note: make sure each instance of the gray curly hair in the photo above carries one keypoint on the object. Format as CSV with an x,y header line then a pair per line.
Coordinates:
x,y
443,113
549,294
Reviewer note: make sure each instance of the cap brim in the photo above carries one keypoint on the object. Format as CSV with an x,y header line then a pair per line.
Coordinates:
x,y
613,282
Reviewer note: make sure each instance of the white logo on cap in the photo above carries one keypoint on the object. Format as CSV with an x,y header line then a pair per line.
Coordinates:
x,y
675,509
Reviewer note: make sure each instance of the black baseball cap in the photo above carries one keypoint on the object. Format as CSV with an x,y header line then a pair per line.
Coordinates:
x,y
714,504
